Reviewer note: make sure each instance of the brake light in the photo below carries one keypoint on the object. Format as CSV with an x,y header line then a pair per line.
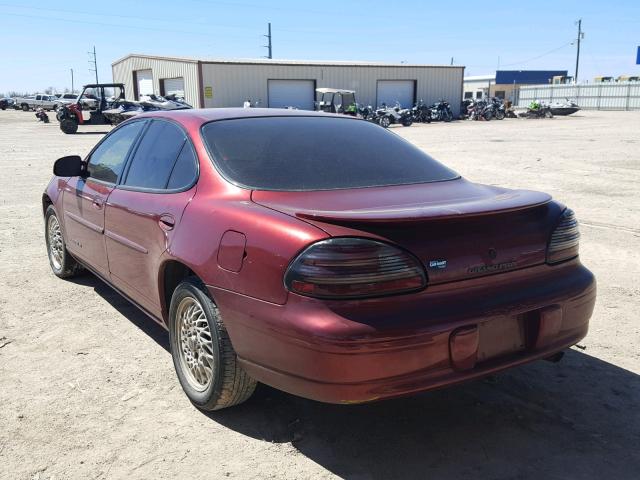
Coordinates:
x,y
354,268
564,240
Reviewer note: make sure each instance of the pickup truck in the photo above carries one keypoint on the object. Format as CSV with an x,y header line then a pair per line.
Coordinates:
x,y
31,102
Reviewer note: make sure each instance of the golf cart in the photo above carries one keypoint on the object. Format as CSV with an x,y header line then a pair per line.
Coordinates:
x,y
88,107
335,100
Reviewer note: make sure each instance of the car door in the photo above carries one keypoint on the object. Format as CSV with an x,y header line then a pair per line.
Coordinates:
x,y
145,208
84,199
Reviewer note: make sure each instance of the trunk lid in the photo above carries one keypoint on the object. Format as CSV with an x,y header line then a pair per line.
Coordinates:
x,y
458,229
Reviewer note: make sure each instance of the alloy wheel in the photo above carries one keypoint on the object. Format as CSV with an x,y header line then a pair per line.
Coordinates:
x,y
56,245
195,343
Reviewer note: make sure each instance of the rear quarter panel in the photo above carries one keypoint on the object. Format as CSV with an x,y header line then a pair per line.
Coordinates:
x,y
272,240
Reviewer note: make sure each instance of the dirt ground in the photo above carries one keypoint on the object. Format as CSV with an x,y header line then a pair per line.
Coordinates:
x,y
88,391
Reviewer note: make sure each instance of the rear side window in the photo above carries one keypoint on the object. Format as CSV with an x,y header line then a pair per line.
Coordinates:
x,y
108,158
156,156
185,170
316,153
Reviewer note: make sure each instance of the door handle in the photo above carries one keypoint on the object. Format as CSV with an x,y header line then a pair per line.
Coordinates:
x,y
166,222
97,203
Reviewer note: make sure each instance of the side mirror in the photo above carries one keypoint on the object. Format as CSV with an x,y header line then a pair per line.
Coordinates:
x,y
70,166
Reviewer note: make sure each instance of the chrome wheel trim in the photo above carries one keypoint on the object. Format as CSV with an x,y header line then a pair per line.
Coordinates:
x,y
56,244
195,344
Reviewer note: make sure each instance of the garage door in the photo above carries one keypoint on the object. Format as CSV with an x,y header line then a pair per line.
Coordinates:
x,y
392,91
292,93
145,82
174,86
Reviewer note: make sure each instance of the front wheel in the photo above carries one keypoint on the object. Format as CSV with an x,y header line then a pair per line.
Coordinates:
x,y
62,264
204,359
385,122
68,126
548,114
500,115
25,107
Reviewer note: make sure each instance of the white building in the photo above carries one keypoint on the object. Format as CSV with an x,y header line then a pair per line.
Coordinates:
x,y
478,86
282,83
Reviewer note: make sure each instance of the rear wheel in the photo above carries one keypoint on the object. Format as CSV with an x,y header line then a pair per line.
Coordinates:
x,y
68,126
500,114
25,107
407,122
385,122
548,114
62,264
204,359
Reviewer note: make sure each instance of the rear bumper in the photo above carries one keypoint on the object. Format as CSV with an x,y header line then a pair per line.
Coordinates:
x,y
358,351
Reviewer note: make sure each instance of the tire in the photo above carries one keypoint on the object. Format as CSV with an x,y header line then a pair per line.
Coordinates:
x,y
488,115
407,122
25,107
448,116
62,263
500,115
197,334
384,122
68,126
548,114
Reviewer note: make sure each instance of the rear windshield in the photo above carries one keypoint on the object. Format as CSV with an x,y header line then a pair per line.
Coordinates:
x,y
316,153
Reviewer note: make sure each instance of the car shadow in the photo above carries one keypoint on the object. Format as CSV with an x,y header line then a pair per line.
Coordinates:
x,y
156,332
578,419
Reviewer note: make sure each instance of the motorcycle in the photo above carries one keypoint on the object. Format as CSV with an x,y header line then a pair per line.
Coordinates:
x,y
537,110
396,115
441,111
421,112
367,113
41,115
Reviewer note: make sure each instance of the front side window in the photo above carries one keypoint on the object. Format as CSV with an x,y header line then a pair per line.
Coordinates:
x,y
155,157
108,158
297,153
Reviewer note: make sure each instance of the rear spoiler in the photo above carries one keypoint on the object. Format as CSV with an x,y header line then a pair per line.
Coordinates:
x,y
509,201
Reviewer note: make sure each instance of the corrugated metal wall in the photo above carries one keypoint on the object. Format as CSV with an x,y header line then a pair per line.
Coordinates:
x,y
597,96
123,73
232,84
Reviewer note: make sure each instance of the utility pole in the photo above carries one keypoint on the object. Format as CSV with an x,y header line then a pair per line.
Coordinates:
x,y
580,36
94,62
268,35
72,90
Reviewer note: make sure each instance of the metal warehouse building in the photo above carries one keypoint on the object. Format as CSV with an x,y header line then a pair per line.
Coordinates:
x,y
283,83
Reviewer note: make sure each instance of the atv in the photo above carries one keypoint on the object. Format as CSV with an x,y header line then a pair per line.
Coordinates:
x,y
87,109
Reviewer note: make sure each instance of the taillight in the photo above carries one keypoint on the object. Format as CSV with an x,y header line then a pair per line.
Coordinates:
x,y
563,244
354,268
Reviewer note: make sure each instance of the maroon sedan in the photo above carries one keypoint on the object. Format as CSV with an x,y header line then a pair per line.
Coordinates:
x,y
319,254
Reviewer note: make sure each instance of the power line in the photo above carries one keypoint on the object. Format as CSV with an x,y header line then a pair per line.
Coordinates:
x,y
539,56
117,25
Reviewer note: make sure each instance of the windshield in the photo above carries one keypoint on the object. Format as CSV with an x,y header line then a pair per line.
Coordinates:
x,y
316,153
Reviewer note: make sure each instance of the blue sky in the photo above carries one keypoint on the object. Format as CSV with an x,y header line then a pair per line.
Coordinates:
x,y
42,40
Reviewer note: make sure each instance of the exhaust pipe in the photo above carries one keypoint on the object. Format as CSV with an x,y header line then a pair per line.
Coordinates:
x,y
555,358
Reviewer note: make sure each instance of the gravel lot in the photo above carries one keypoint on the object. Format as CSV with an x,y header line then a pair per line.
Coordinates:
x,y
87,387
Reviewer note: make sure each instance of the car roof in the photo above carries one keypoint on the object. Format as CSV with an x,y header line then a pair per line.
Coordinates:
x,y
204,115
